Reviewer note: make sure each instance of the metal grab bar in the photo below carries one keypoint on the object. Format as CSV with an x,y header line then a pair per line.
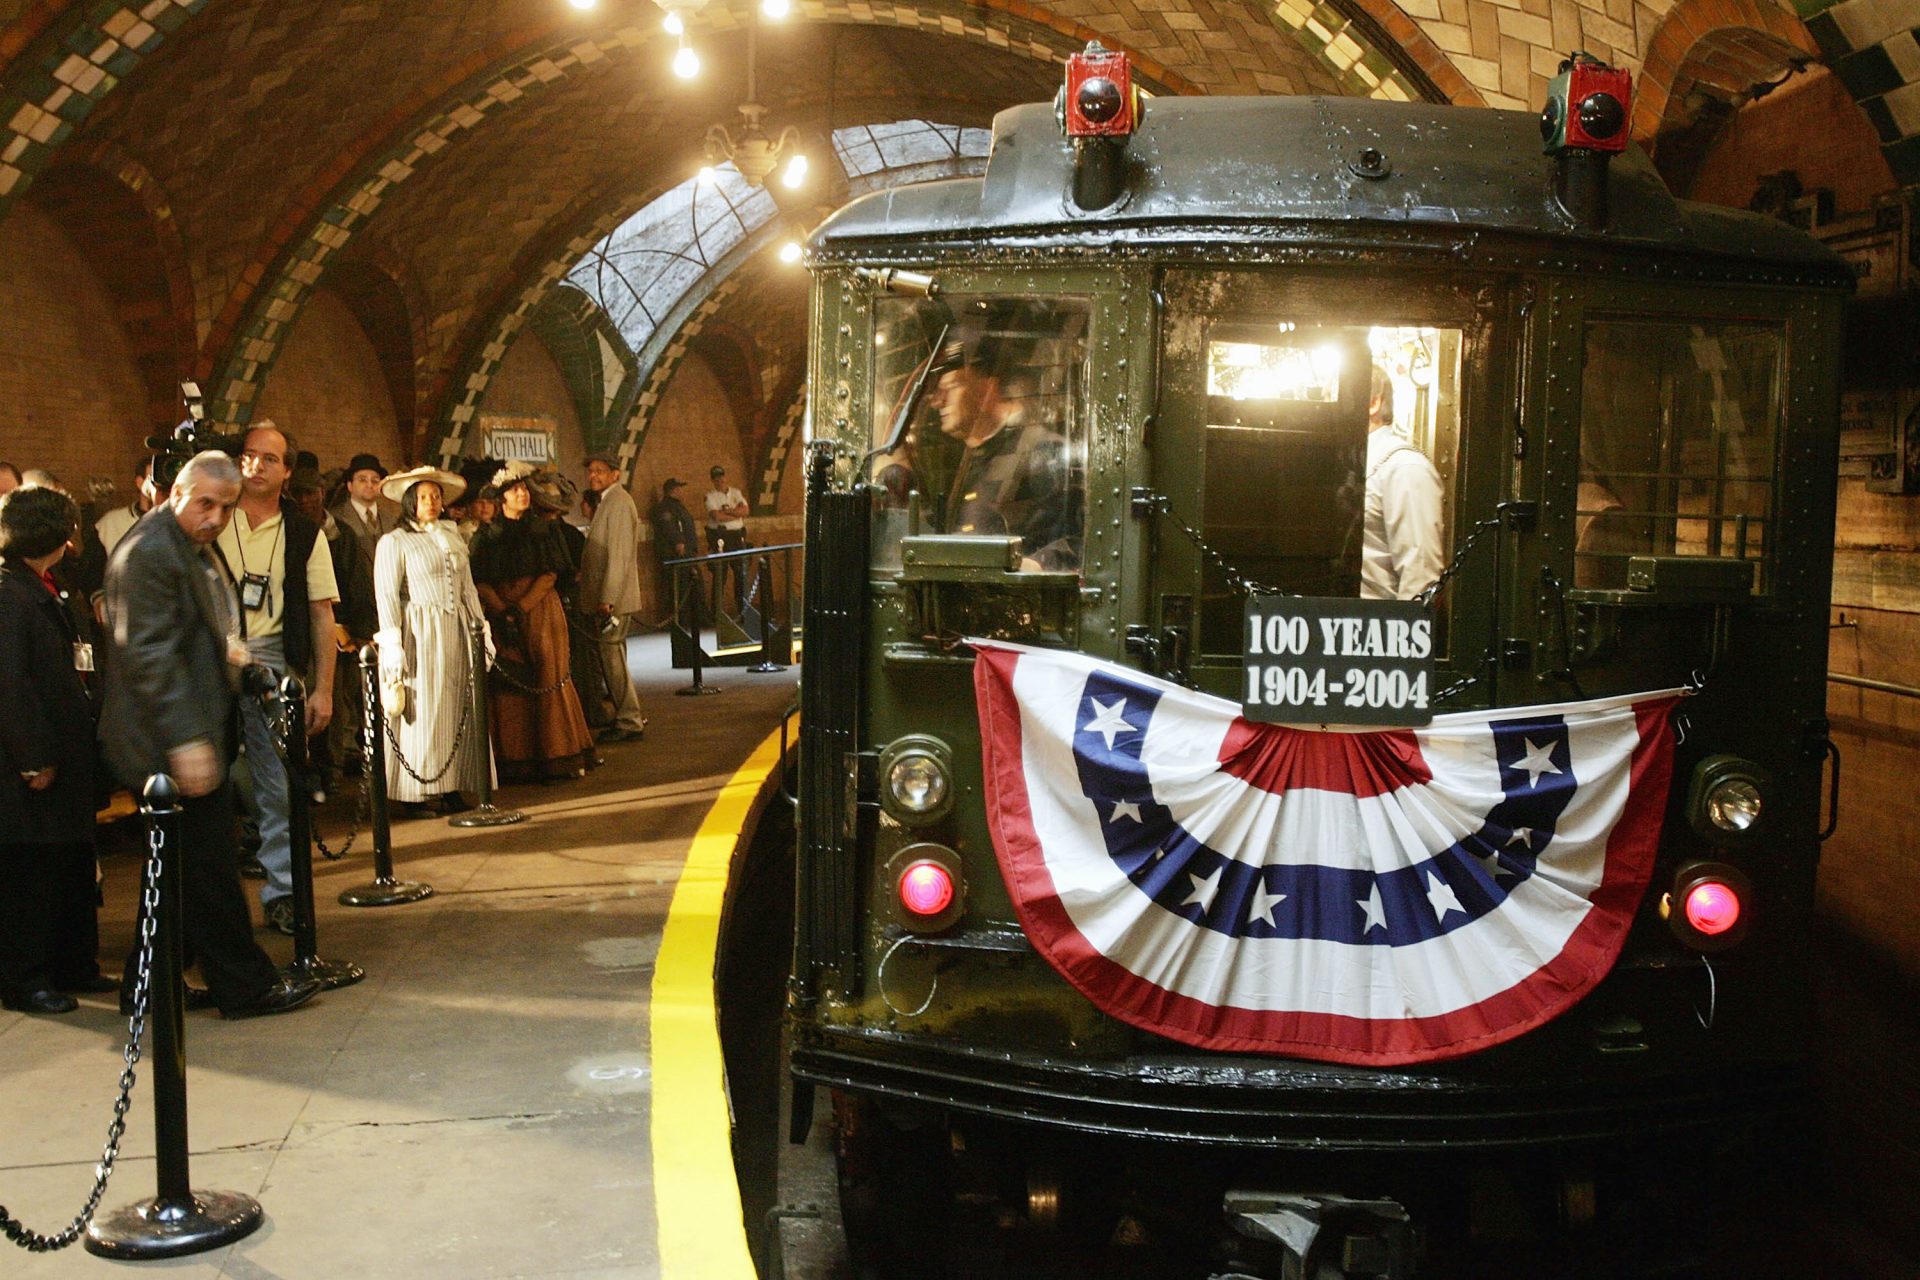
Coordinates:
x,y
714,556
1882,686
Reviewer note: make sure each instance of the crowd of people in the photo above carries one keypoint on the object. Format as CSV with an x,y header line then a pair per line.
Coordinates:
x,y
134,637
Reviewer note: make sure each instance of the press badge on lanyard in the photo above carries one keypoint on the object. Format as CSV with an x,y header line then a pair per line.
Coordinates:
x,y
253,591
82,656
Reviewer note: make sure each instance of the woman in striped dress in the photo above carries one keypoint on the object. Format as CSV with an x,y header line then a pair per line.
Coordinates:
x,y
428,610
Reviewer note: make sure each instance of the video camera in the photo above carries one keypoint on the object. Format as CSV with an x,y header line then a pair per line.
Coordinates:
x,y
192,436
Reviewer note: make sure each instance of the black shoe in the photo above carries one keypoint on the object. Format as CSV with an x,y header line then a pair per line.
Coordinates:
x,y
98,985
412,809
195,998
279,914
252,869
282,996
453,802
41,1002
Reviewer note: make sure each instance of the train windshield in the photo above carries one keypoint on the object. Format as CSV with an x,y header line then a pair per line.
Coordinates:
x,y
979,423
1330,458
1678,424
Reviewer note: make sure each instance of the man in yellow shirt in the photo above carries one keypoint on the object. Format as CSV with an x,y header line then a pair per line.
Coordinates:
x,y
283,573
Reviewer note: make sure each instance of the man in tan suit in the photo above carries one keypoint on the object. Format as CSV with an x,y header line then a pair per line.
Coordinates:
x,y
610,590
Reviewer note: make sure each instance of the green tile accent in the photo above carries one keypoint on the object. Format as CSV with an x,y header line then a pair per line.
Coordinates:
x,y
1827,34
1869,73
1808,8
1904,159
1878,112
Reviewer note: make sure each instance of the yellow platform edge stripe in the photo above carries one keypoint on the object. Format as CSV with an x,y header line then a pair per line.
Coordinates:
x,y
696,1194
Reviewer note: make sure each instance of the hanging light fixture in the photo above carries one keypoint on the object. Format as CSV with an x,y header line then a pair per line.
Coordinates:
x,y
751,151
686,62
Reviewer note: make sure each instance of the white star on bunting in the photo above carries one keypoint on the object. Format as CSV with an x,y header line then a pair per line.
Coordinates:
x,y
1376,913
1441,895
1110,720
1522,836
1124,809
1203,890
1495,867
1263,904
1537,761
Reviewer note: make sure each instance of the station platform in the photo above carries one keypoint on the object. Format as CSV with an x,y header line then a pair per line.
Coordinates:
x,y
486,1103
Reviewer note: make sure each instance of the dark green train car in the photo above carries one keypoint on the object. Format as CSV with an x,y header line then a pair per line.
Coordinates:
x,y
1630,403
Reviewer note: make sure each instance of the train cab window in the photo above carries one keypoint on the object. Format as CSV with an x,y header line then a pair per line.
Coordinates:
x,y
979,423
1331,453
1678,426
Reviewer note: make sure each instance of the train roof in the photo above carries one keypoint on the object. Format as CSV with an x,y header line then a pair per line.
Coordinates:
x,y
1216,168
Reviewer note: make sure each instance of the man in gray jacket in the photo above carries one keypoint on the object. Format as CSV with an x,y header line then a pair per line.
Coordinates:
x,y
610,591
171,707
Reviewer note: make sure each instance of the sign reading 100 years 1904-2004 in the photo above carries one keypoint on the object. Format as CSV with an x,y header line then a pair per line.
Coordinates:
x,y
1313,660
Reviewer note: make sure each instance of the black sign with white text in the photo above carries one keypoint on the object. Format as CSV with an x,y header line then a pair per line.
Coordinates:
x,y
1314,660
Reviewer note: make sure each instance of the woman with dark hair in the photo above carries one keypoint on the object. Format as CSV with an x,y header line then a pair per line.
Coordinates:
x,y
428,612
539,732
49,934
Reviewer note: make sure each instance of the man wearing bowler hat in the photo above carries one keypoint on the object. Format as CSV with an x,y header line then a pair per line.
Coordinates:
x,y
366,516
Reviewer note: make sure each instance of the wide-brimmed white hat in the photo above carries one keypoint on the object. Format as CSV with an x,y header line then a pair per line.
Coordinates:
x,y
451,485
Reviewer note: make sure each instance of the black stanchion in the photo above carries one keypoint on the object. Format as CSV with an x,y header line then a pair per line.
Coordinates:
x,y
699,657
483,814
764,588
385,891
178,1220
331,974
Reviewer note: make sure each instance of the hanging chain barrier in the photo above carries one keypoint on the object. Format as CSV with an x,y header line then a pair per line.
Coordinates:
x,y
453,753
18,1232
1480,530
283,746
1147,503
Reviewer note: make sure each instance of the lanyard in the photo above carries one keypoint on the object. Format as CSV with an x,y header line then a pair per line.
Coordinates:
x,y
240,540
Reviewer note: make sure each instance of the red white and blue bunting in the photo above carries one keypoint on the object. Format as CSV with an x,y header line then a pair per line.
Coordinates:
x,y
1370,897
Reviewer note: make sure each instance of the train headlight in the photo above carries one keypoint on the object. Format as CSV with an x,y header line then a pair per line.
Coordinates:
x,y
929,890
1728,798
916,780
1709,906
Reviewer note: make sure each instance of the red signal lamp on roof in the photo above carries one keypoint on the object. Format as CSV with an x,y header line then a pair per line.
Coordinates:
x,y
1101,101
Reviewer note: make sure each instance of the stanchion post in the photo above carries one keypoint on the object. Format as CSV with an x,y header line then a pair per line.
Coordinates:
x,y
178,1220
385,891
331,974
483,814
700,685
764,580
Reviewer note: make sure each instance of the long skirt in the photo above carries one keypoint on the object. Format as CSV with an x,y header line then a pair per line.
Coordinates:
x,y
539,731
443,749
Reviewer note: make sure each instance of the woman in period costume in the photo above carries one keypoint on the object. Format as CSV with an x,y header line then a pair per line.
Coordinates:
x,y
428,612
539,732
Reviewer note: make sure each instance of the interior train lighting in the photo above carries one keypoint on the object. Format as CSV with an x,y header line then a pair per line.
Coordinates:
x,y
926,888
1709,906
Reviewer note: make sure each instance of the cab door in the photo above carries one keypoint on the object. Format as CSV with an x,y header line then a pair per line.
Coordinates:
x,y
1292,402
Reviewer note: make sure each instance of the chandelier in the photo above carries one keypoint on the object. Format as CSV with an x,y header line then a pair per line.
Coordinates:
x,y
750,150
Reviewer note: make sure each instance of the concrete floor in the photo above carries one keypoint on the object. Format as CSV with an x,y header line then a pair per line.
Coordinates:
x,y
478,1107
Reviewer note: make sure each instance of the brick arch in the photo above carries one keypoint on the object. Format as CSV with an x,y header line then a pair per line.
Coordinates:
x,y
773,467
734,357
322,219
1424,61
122,221
379,287
59,62
1697,35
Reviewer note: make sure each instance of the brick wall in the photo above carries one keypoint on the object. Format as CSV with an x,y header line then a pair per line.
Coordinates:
x,y
1812,125
71,398
530,384
692,431
330,391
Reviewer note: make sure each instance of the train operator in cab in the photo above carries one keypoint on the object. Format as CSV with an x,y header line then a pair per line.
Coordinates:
x,y
1401,538
1014,476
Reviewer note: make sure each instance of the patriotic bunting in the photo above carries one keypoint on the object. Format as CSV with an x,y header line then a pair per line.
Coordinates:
x,y
1369,897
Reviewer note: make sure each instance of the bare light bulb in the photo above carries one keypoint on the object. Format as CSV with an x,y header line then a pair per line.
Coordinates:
x,y
706,177
796,171
673,25
776,9
583,5
790,251
686,63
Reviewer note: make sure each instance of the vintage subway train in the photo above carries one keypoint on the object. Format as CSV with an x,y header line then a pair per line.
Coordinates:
x,y
1060,890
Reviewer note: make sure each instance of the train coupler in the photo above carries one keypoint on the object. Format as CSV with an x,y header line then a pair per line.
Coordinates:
x,y
1318,1236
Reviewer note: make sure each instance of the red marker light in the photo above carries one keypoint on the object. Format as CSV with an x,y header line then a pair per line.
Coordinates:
x,y
926,889
1712,907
